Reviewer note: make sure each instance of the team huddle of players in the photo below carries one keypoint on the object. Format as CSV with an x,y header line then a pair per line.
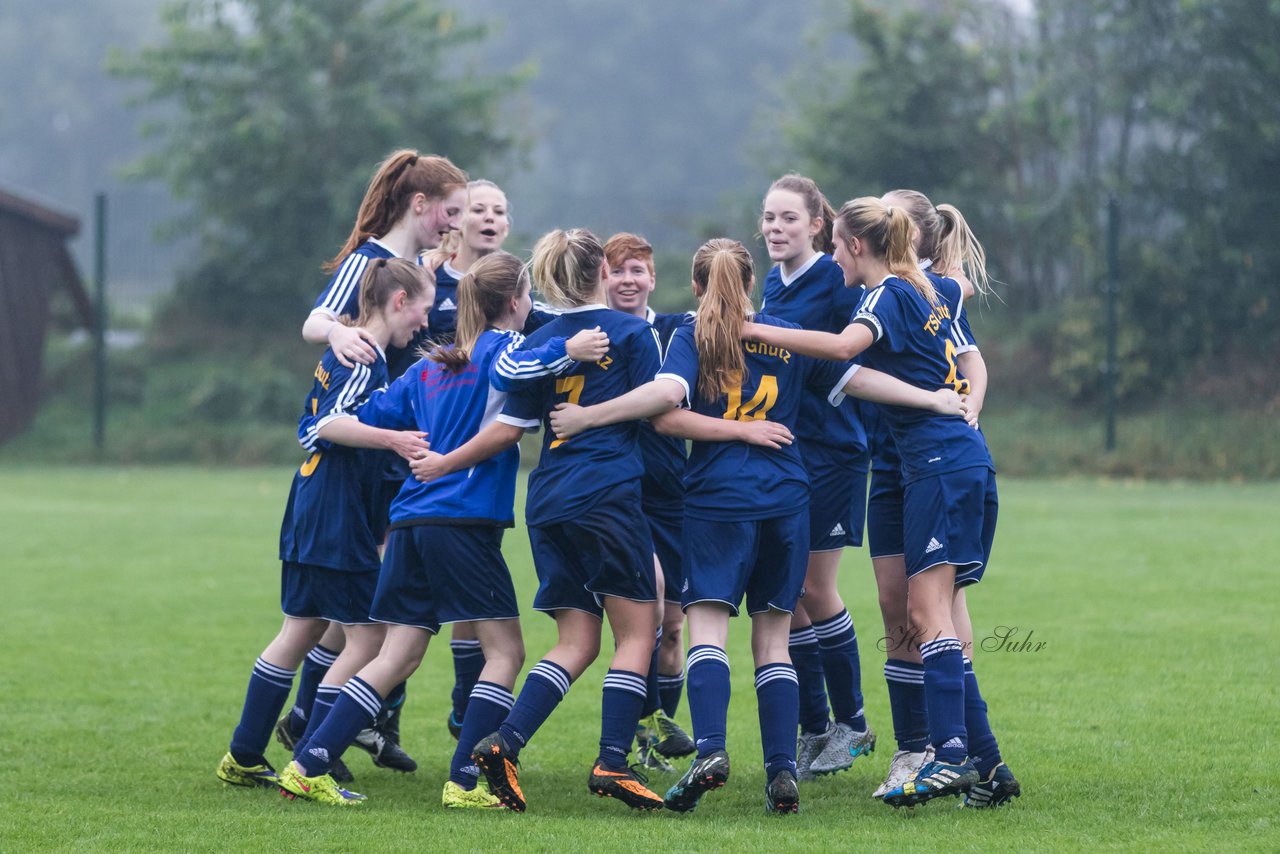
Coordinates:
x,y
437,362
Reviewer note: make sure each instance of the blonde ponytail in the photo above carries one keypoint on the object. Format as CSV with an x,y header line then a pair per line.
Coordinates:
x,y
723,271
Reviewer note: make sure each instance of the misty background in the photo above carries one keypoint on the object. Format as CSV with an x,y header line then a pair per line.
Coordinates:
x,y
234,140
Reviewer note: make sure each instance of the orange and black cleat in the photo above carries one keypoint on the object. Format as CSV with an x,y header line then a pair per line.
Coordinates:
x,y
624,785
501,769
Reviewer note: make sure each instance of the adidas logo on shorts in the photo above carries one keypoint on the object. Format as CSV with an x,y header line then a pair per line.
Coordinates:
x,y
837,531
933,546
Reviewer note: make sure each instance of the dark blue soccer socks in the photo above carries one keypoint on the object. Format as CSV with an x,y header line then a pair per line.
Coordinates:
x,y
670,689
489,704
708,673
838,649
907,704
622,698
544,688
314,667
268,691
807,659
944,693
778,702
983,749
354,709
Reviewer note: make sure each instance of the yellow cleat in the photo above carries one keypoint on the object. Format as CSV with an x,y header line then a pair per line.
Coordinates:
x,y
231,771
457,798
321,789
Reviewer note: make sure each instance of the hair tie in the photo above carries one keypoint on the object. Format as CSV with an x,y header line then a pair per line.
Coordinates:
x,y
888,210
382,262
413,161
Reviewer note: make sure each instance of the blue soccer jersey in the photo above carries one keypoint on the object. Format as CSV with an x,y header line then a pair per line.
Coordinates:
x,y
816,298
451,408
734,480
572,473
341,298
913,342
662,487
442,322
884,454
327,519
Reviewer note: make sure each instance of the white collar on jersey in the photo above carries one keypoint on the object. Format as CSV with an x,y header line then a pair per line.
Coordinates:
x,y
926,263
589,307
804,268
882,281
649,314
378,242
452,271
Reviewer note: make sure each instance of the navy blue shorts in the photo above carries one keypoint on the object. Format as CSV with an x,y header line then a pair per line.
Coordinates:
x,y
951,518
605,551
763,559
435,574
884,514
312,592
665,528
837,496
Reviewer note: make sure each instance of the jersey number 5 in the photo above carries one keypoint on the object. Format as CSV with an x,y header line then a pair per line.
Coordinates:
x,y
573,387
758,406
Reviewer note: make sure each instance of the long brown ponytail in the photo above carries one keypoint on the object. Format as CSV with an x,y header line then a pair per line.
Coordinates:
x,y
723,271
484,295
397,180
887,231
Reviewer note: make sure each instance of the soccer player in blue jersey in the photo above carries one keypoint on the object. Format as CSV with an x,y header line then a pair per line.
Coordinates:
x,y
806,287
903,326
328,546
444,561
659,737
746,526
583,500
945,245
413,201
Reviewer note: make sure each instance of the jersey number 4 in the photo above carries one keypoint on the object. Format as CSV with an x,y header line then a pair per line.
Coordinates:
x,y
960,384
758,406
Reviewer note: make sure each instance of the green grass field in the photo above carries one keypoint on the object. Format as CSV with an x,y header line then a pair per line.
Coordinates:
x,y
138,599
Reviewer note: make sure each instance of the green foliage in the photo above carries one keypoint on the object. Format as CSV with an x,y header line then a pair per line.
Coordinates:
x,y
1029,121
281,110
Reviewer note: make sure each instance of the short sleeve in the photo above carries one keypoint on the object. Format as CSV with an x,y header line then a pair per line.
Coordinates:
x,y
342,295
828,378
647,358
523,407
879,311
960,334
681,363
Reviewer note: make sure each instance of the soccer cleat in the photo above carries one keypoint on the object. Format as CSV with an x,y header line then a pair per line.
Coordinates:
x,y
624,785
384,752
649,758
457,798
705,773
782,795
285,734
902,768
934,780
455,726
339,771
231,771
501,769
997,790
844,744
808,746
321,789
665,735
